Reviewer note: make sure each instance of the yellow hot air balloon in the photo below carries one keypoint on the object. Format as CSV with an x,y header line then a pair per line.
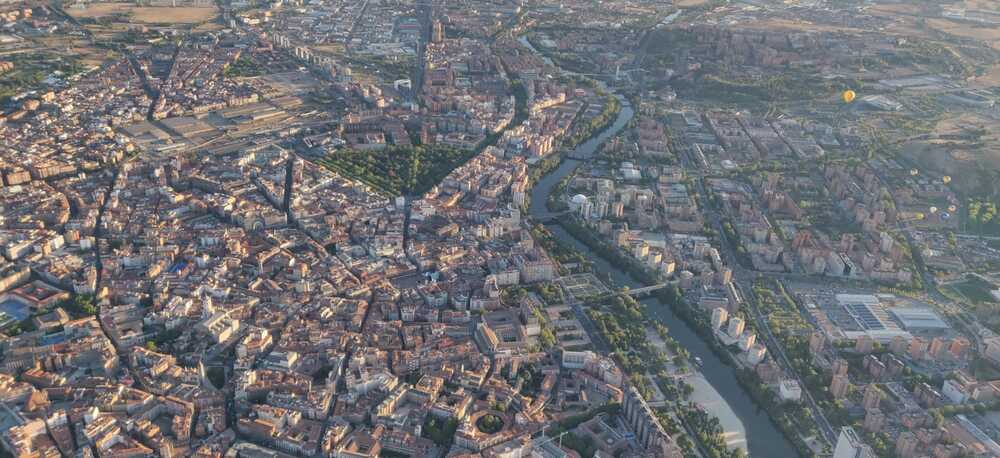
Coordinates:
x,y
946,179
848,96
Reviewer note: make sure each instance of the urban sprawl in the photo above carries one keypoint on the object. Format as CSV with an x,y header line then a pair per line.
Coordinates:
x,y
500,228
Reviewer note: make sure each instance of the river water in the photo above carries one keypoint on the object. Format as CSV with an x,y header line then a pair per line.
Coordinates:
x,y
718,391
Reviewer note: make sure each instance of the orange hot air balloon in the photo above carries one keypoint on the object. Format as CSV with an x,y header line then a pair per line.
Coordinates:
x,y
848,96
952,208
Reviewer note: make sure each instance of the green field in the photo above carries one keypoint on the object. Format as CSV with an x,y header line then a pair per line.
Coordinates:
x,y
31,68
396,170
975,290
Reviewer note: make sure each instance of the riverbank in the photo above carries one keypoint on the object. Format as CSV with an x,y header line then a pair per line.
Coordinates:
x,y
600,124
704,394
763,438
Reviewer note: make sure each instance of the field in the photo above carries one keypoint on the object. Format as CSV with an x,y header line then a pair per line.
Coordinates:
x,y
30,69
989,79
332,48
960,158
966,30
985,5
780,309
796,24
89,57
147,14
974,289
689,3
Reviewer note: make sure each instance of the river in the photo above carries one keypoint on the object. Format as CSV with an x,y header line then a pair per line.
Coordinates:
x,y
716,387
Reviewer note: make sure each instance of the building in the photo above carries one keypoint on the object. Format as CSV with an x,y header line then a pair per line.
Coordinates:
x,y
816,342
840,366
906,445
756,354
954,391
919,320
917,349
790,390
874,420
864,345
959,347
487,338
648,431
220,326
875,367
872,397
992,351
719,316
437,32
898,345
577,359
735,328
977,442
839,386
870,317
850,445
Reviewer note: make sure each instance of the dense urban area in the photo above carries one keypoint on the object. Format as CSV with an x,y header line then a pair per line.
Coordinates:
x,y
500,228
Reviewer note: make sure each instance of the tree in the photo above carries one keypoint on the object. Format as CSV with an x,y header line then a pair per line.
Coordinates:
x,y
217,375
80,305
547,338
489,424
584,446
685,443
440,432
686,389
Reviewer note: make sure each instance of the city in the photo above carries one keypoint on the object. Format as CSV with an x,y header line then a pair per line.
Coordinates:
x,y
500,228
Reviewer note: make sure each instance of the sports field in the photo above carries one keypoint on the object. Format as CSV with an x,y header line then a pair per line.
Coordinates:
x,y
974,289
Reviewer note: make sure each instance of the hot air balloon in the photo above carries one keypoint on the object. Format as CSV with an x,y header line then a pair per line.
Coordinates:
x,y
933,210
914,172
946,179
848,96
953,208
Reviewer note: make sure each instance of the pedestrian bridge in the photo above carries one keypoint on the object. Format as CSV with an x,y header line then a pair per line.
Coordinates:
x,y
648,289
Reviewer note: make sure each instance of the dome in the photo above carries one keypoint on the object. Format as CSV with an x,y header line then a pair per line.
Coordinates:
x,y
579,199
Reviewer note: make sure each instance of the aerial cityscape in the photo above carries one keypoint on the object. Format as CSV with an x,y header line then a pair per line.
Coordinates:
x,y
500,228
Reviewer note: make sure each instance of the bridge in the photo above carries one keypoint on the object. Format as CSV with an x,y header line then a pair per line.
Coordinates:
x,y
648,289
551,218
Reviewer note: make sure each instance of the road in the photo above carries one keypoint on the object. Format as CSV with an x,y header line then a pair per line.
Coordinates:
x,y
425,12
588,326
743,276
762,324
